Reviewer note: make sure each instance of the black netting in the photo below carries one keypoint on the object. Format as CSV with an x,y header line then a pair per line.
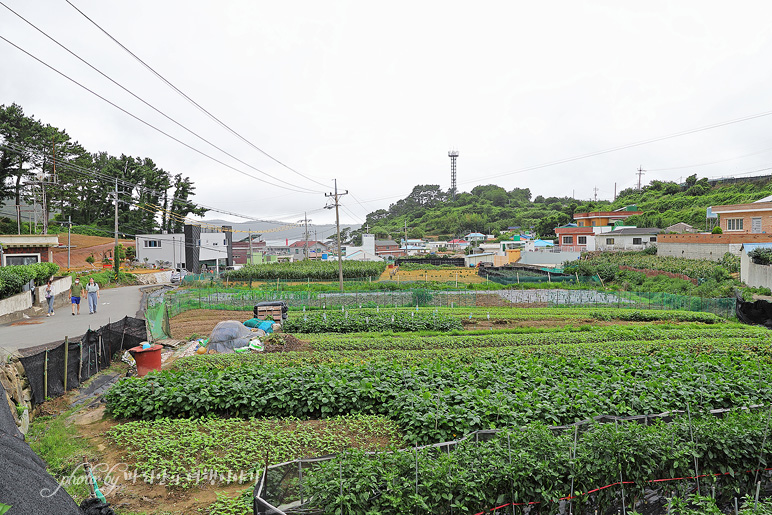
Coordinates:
x,y
87,355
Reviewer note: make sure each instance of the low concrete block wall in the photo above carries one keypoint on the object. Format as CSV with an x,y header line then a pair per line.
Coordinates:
x,y
709,251
15,304
753,274
546,258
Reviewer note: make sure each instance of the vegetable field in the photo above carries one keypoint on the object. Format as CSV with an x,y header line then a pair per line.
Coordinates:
x,y
406,386
304,270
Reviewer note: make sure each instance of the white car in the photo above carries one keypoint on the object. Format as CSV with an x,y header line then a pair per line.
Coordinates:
x,y
176,276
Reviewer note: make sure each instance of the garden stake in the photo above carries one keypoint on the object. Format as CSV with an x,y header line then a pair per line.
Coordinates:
x,y
756,504
763,442
509,452
691,434
573,457
621,480
736,511
66,356
416,476
45,378
300,478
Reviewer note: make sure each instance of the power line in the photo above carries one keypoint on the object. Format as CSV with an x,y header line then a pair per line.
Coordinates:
x,y
141,99
709,163
151,125
101,176
186,97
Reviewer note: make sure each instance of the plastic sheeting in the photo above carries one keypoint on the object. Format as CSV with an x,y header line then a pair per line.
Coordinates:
x,y
229,335
86,355
754,313
25,484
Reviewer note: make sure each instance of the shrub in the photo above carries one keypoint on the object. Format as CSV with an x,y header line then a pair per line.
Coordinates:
x,y
717,230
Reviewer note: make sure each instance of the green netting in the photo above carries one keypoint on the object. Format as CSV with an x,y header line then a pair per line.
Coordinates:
x,y
158,321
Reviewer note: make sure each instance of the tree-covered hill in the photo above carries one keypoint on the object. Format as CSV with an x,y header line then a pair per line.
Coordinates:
x,y
430,211
83,182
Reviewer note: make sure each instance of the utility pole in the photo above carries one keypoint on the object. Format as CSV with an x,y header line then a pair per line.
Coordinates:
x,y
117,265
595,190
640,172
336,196
69,246
250,247
405,235
306,220
174,254
615,191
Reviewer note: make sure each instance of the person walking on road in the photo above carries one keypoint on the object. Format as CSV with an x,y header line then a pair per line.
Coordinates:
x,y
92,289
50,298
75,290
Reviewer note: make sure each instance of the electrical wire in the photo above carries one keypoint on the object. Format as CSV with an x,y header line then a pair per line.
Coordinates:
x,y
709,163
186,97
143,101
101,176
200,152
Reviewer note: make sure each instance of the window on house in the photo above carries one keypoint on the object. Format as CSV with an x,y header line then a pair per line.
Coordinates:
x,y
734,224
637,241
21,259
152,243
609,241
653,238
593,224
581,240
568,240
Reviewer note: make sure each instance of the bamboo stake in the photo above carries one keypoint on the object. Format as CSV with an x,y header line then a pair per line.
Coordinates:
x,y
66,356
45,378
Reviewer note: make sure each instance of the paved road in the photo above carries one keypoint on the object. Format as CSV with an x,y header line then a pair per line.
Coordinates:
x,y
114,304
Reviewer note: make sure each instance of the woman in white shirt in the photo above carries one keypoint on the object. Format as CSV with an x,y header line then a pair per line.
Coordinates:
x,y
92,288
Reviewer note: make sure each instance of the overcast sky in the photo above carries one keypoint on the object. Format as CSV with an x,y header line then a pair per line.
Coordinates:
x,y
375,94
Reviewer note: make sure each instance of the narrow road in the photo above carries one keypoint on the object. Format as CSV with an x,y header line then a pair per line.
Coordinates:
x,y
114,304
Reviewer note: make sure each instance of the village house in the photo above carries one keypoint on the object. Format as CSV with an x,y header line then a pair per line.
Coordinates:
x,y
25,249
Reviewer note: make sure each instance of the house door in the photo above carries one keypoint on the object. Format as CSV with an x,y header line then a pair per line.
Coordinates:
x,y
756,225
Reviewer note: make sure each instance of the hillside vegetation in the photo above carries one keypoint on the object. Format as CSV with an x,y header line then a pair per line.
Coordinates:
x,y
429,211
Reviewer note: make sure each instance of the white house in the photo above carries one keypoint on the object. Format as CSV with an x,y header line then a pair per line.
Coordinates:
x,y
364,253
170,248
631,238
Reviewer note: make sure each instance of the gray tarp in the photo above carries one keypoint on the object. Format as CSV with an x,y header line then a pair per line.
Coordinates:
x,y
25,485
229,335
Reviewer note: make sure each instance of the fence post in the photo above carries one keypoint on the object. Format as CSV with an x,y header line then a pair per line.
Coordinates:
x,y
45,378
80,362
66,356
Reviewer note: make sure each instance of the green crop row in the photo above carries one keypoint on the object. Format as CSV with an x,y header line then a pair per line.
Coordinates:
x,y
583,334
187,451
370,320
430,357
435,394
534,464
599,262
302,270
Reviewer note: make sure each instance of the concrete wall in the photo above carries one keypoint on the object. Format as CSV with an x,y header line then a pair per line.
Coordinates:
x,y
546,258
16,303
753,274
709,251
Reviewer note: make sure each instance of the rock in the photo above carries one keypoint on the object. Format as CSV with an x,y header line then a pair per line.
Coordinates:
x,y
20,369
24,419
12,406
5,381
276,328
26,395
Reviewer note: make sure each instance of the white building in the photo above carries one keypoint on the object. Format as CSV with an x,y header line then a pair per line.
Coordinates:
x,y
632,238
170,249
364,253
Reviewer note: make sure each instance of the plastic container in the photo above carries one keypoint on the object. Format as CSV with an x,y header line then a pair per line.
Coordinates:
x,y
147,359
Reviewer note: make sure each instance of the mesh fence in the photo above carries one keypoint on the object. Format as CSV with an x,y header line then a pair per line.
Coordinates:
x,y
232,299
280,488
81,356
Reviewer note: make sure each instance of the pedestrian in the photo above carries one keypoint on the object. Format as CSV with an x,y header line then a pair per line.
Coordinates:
x,y
50,298
92,289
75,290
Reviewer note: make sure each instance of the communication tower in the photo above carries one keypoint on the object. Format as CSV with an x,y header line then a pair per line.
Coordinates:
x,y
453,154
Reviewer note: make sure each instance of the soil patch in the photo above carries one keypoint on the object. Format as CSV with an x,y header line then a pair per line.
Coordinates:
x,y
202,321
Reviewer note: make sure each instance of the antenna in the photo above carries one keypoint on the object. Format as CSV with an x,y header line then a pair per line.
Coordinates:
x,y
453,154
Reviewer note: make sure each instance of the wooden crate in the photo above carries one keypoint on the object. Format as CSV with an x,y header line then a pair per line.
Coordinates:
x,y
273,311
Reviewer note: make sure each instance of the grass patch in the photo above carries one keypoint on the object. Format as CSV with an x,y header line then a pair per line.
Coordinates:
x,y
62,448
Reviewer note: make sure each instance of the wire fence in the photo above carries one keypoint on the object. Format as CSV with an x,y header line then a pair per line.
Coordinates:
x,y
236,299
280,488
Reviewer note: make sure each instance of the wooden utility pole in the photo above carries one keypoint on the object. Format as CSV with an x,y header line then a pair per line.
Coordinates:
x,y
336,197
640,172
